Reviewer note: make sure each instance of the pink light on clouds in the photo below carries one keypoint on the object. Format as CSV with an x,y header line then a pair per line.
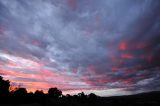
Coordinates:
x,y
72,4
34,75
127,56
123,45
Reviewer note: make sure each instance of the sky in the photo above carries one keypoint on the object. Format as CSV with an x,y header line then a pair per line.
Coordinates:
x,y
108,47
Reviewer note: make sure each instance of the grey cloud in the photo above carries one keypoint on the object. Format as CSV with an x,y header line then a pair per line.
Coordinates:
x,y
89,35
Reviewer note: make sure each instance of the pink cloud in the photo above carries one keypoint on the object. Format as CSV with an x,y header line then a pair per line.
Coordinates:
x,y
72,4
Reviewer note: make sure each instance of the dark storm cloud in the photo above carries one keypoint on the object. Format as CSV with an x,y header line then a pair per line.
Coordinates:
x,y
101,44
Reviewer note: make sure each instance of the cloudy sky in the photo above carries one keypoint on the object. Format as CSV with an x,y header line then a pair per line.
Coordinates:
x,y
109,47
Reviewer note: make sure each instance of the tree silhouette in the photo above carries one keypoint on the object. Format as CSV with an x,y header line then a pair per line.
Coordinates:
x,y
82,95
92,96
39,96
19,96
39,93
20,92
54,92
4,87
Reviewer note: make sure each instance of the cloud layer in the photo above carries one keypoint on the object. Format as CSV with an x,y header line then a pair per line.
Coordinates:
x,y
81,45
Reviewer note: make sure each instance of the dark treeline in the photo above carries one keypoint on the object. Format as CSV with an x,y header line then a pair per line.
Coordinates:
x,y
20,97
53,97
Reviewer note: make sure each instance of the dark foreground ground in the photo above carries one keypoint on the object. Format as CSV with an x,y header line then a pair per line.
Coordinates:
x,y
144,99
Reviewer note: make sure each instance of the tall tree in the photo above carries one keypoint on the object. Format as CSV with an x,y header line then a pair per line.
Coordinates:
x,y
54,92
4,87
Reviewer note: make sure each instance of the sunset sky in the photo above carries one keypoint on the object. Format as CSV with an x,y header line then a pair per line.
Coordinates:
x,y
108,47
